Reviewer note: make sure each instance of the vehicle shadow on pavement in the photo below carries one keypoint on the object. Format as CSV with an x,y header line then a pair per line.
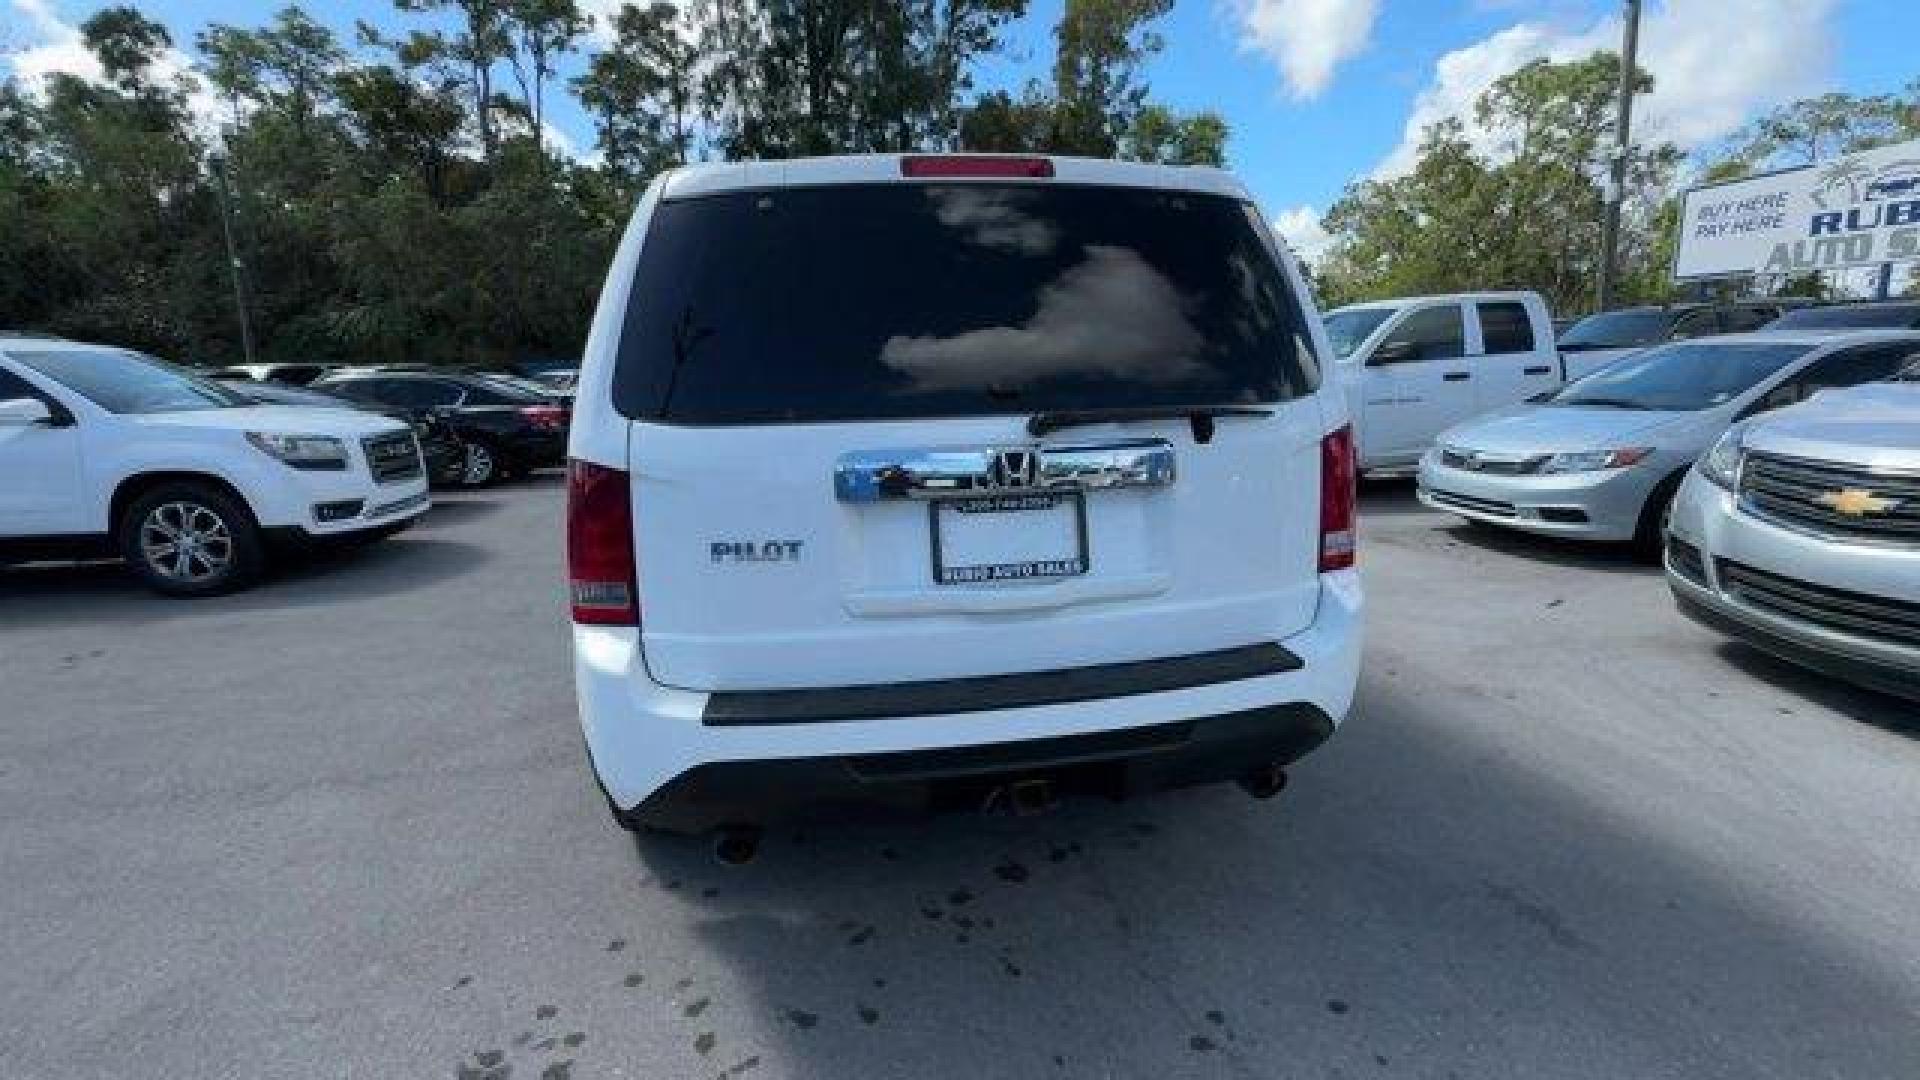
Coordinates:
x,y
1388,495
451,509
1420,902
1855,702
1585,554
77,592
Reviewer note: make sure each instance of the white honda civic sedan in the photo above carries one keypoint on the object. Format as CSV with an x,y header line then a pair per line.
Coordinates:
x,y
1602,459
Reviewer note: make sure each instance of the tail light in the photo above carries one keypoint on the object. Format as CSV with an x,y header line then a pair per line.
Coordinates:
x,y
964,165
600,564
1338,476
545,417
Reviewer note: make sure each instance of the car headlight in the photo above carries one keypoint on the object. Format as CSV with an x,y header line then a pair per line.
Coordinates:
x,y
1722,463
318,453
1596,460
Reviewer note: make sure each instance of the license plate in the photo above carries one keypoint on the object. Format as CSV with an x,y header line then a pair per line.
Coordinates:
x,y
1008,538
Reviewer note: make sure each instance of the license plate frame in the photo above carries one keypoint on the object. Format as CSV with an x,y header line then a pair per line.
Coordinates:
x,y
1076,565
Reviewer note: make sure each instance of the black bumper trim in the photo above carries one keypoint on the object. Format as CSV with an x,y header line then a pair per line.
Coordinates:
x,y
1109,764
1885,678
1016,691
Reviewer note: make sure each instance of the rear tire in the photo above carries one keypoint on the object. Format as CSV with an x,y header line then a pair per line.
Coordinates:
x,y
191,539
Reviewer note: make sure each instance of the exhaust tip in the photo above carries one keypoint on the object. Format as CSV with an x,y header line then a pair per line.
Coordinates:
x,y
736,845
1265,782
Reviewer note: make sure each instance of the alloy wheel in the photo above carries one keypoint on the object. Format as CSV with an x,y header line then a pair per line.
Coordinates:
x,y
186,542
478,467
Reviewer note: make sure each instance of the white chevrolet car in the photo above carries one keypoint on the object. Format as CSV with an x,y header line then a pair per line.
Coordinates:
x,y
105,451
956,480
1799,532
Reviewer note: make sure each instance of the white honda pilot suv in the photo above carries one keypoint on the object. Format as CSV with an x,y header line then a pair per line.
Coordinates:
x,y
953,480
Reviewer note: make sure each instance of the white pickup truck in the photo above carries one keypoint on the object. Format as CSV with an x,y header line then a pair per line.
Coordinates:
x,y
1415,366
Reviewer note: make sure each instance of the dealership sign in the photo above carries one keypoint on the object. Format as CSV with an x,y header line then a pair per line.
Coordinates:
x,y
1859,210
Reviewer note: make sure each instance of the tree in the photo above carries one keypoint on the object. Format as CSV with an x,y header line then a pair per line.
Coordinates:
x,y
126,43
1102,46
543,29
1001,123
1812,130
1160,135
794,77
483,42
1522,213
403,123
1097,104
641,92
389,205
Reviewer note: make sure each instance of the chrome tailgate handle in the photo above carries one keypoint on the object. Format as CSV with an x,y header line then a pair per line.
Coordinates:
x,y
868,476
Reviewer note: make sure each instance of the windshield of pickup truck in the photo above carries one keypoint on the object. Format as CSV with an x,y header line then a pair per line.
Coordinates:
x,y
1686,376
1628,329
129,382
1348,327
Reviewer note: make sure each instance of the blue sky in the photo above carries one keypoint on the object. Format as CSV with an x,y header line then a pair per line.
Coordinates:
x,y
1321,92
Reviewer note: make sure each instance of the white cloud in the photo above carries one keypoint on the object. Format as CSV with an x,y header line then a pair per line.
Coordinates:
x,y
59,48
1715,63
1308,39
1301,230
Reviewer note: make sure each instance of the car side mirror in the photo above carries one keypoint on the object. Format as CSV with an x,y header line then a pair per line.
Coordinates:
x,y
1394,352
25,412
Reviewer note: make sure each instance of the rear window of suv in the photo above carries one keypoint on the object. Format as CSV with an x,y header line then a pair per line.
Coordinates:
x,y
903,301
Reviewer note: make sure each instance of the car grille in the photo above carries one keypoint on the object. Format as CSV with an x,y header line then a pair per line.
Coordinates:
x,y
1812,495
1468,502
392,458
1896,622
1468,461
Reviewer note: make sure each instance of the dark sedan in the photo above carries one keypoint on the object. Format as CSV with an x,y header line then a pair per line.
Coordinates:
x,y
1885,314
507,428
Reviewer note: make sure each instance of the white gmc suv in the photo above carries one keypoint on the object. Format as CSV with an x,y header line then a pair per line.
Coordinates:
x,y
953,480
105,451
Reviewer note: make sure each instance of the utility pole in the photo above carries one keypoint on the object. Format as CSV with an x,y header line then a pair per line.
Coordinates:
x,y
1617,167
233,257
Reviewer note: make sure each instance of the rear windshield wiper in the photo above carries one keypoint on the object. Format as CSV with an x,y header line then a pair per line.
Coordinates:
x,y
1202,416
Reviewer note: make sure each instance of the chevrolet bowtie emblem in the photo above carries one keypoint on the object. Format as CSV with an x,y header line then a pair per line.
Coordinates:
x,y
1855,502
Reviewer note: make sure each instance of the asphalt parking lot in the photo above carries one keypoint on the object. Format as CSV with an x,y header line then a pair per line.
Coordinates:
x,y
340,826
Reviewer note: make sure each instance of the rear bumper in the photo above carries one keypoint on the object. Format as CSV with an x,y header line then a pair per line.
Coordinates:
x,y
537,449
1113,764
657,751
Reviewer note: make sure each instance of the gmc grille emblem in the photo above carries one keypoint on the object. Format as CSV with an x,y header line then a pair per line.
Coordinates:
x,y
1011,470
